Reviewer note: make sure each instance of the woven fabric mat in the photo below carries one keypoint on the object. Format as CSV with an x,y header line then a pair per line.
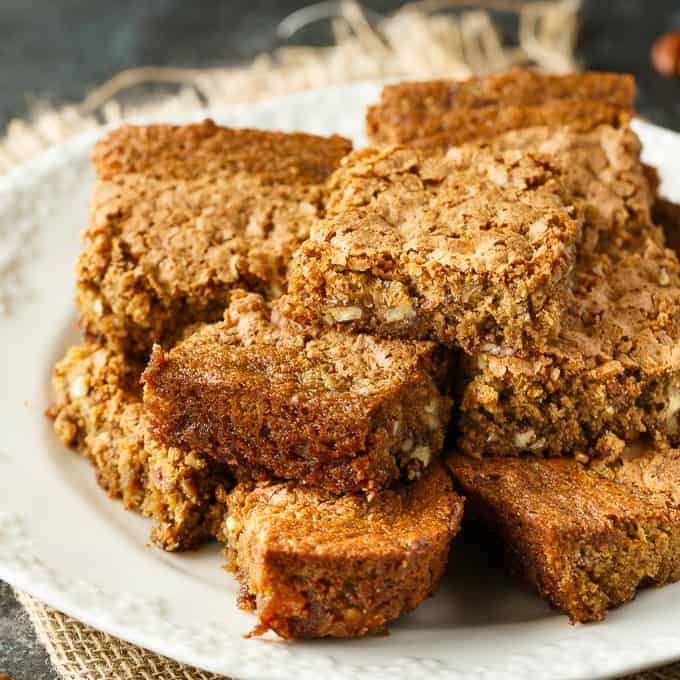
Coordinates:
x,y
421,40
79,652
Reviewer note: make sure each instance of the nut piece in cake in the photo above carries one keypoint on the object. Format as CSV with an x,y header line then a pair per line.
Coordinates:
x,y
472,249
316,565
344,412
444,113
182,215
584,542
98,411
614,369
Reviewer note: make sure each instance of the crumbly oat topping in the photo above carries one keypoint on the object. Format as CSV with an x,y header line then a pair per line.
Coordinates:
x,y
581,120
601,168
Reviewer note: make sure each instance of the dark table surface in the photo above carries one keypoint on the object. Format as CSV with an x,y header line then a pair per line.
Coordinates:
x,y
59,50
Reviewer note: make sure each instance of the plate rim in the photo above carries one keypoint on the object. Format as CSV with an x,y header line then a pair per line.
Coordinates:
x,y
38,585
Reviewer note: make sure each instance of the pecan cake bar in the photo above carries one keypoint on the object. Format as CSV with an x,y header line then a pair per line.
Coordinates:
x,y
474,249
585,542
596,375
614,369
343,412
445,113
182,215
581,121
315,565
97,410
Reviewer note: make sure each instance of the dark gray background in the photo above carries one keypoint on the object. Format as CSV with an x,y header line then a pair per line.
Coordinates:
x,y
62,48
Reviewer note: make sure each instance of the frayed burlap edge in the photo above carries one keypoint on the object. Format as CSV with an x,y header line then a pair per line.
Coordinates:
x,y
418,41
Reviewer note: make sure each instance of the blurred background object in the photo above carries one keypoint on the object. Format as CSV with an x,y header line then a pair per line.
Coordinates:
x,y
666,54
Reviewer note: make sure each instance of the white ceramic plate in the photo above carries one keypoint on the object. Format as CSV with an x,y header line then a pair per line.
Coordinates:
x,y
64,542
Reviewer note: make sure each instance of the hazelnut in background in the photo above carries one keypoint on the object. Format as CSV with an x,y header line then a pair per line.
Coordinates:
x,y
666,54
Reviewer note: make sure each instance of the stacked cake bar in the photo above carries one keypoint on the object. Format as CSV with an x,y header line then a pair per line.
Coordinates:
x,y
607,381
312,354
194,224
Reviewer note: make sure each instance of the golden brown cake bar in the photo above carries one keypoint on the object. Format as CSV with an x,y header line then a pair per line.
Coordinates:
x,y
344,412
614,369
442,113
315,565
97,410
182,215
596,375
474,249
584,542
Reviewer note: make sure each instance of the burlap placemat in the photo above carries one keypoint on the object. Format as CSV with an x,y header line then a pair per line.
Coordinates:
x,y
79,652
421,40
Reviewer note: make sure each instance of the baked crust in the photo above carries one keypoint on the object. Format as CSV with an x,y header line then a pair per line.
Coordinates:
x,y
585,542
182,215
581,120
97,410
315,565
439,114
344,412
472,249
180,152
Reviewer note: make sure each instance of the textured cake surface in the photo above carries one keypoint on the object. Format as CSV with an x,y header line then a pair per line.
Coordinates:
x,y
614,369
439,114
585,542
472,249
